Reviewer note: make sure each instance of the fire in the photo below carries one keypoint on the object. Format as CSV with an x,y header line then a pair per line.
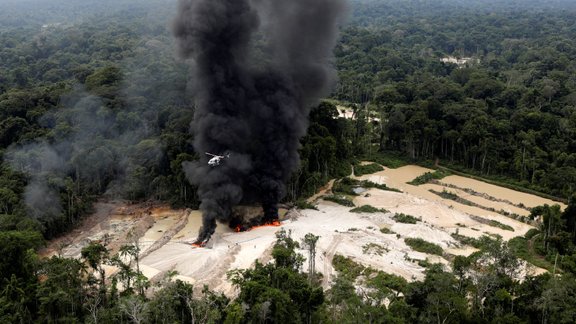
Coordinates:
x,y
271,223
275,222
199,244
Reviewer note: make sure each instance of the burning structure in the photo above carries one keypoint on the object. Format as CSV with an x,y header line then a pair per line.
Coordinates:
x,y
257,68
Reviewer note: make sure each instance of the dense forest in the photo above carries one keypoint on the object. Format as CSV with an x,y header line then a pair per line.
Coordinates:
x,y
508,112
94,103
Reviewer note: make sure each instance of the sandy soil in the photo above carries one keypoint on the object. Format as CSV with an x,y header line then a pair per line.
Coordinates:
x,y
165,234
340,231
112,223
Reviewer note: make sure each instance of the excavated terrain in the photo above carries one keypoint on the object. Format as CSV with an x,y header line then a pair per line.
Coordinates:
x,y
164,235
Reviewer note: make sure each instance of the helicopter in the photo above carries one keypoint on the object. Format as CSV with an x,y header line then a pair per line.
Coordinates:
x,y
216,159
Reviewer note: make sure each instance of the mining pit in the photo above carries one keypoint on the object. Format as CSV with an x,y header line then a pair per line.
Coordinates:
x,y
165,235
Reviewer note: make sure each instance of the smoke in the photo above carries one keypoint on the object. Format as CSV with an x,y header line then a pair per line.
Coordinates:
x,y
41,159
104,136
86,152
253,100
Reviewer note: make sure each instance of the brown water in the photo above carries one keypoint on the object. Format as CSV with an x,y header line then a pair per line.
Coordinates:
x,y
497,205
161,225
398,178
528,200
190,231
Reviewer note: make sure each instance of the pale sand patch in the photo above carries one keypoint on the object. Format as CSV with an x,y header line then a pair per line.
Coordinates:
x,y
463,251
340,231
475,231
434,235
533,270
333,223
431,212
185,279
149,272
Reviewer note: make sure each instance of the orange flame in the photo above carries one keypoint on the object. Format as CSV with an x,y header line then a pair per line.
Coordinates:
x,y
272,223
199,245
276,222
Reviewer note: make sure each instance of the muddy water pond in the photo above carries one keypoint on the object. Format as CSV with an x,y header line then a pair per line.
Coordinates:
x,y
516,197
398,178
490,200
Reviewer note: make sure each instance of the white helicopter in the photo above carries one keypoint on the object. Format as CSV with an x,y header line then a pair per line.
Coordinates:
x,y
216,159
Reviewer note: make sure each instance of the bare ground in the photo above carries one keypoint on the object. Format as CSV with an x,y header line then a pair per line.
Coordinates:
x,y
165,234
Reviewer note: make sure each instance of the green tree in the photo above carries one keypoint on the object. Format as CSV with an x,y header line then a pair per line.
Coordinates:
x,y
97,256
277,292
438,298
309,243
61,292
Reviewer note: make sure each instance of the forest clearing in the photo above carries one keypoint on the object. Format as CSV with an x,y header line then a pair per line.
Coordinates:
x,y
164,235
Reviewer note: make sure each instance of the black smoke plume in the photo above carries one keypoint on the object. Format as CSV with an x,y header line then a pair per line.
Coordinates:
x,y
253,100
